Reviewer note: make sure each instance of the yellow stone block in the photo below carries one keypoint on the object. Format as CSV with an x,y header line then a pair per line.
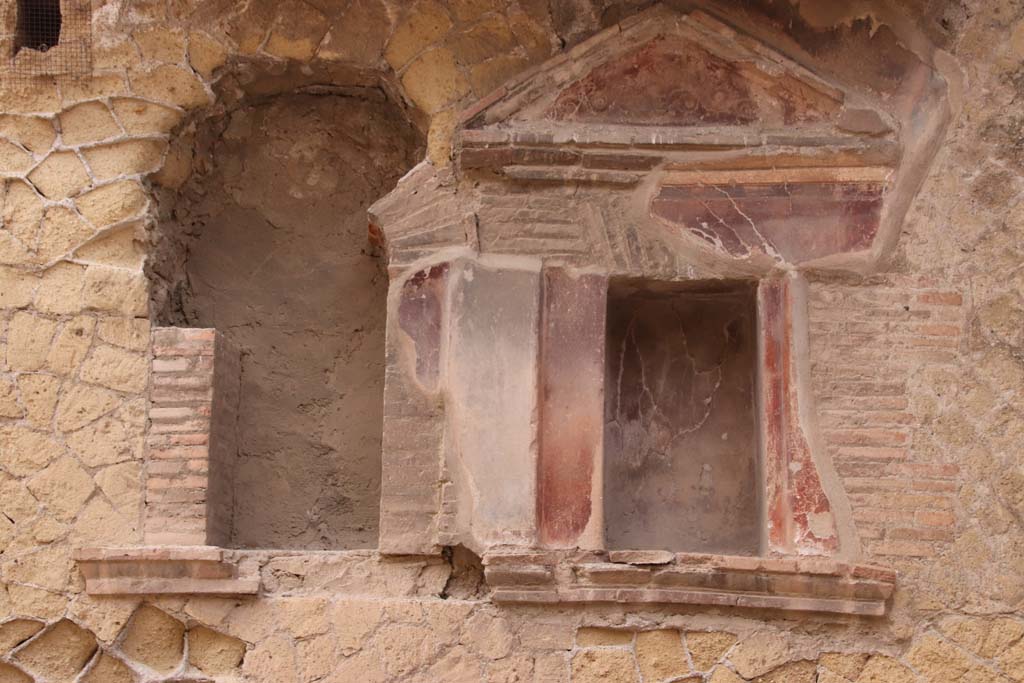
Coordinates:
x,y
34,133
114,203
660,655
434,80
205,54
60,175
603,666
161,44
171,85
131,157
423,25
88,122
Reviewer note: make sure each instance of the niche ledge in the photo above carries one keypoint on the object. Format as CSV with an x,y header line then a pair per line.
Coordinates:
x,y
166,570
794,584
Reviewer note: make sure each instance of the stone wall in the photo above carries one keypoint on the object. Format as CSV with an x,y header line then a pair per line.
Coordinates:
x,y
933,472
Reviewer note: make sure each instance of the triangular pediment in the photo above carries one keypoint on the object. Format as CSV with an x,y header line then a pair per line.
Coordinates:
x,y
673,73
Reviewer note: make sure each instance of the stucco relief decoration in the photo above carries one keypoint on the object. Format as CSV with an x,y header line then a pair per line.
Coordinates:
x,y
597,332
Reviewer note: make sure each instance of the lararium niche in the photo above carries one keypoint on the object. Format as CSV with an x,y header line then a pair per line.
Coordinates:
x,y
681,439
596,372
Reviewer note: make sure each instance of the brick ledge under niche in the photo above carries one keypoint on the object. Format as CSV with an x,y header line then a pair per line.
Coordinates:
x,y
795,584
167,570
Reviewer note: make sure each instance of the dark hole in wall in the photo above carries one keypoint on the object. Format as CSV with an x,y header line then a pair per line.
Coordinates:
x,y
38,25
268,243
681,440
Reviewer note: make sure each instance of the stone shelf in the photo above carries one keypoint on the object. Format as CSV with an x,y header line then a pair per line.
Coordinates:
x,y
168,570
799,584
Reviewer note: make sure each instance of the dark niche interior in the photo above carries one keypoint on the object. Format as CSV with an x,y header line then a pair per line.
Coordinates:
x,y
681,465
268,243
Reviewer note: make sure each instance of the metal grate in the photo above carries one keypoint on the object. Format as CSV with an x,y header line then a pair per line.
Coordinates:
x,y
45,38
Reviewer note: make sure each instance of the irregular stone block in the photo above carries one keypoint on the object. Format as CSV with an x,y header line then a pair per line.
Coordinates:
x,y
109,670
600,666
706,648
60,653
660,655
155,639
17,631
212,652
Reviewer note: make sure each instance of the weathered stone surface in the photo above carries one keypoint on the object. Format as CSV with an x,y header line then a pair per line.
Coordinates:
x,y
794,672
423,24
274,660
358,35
112,203
171,85
62,487
115,290
109,669
598,666
60,653
1012,660
122,485
660,655
60,175
28,340
27,452
298,31
105,442
62,229
707,647
214,653
205,54
82,404
70,346
155,639
590,636
724,675
161,44
847,665
882,669
759,654
34,133
87,122
131,157
145,118
115,368
488,635
17,631
10,674
120,247
434,80
938,660
13,159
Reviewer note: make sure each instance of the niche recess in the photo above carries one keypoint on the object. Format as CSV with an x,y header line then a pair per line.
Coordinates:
x,y
267,244
681,436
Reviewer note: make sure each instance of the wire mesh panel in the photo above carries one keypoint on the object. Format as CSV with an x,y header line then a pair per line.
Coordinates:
x,y
45,38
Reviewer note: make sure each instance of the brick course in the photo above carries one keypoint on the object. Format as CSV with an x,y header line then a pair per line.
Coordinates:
x,y
190,437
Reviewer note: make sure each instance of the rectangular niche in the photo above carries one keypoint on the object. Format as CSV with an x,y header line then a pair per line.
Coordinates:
x,y
681,458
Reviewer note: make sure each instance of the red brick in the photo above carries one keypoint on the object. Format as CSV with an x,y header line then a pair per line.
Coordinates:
x,y
937,518
941,298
